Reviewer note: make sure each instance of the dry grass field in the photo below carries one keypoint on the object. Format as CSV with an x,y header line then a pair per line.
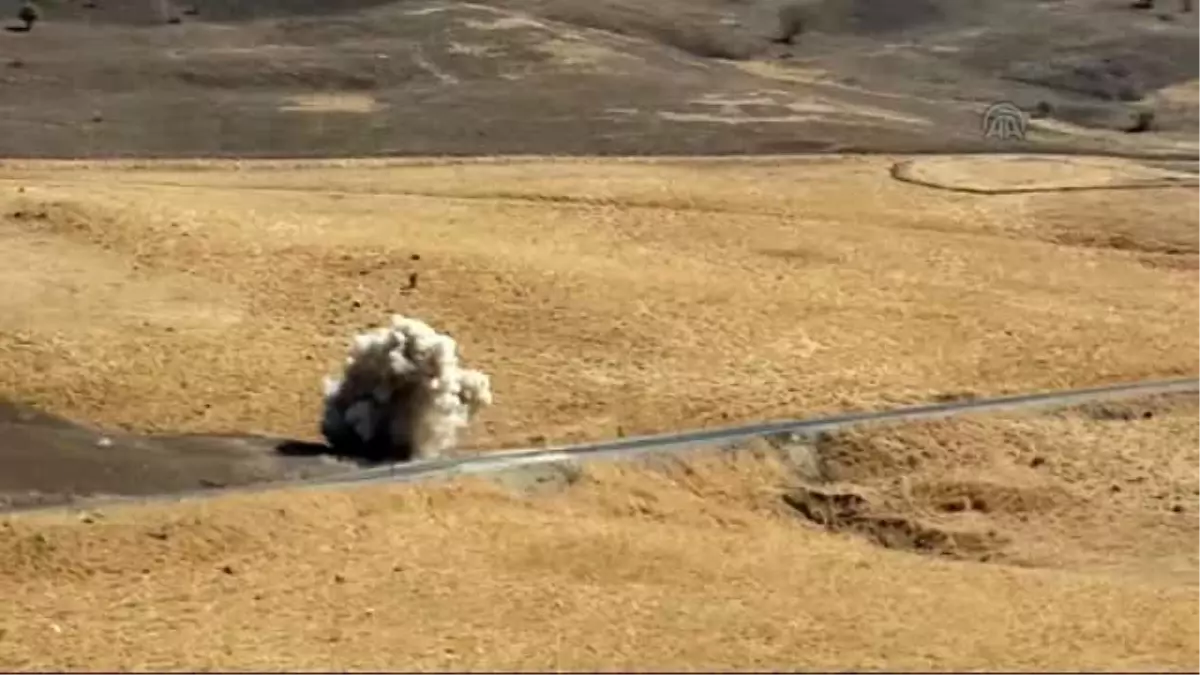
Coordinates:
x,y
1076,550
606,298
603,297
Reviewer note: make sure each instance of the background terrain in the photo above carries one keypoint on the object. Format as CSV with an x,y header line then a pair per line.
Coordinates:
x,y
420,77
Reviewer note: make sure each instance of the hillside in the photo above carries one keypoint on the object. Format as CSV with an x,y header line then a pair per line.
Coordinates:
x,y
604,297
408,77
1028,543
635,217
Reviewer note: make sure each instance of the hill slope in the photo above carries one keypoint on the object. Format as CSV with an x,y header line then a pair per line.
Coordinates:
x,y
1029,543
604,297
421,77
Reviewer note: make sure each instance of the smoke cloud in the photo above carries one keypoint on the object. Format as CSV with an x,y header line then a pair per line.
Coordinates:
x,y
402,394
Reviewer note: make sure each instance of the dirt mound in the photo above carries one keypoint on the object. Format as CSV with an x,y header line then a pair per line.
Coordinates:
x,y
850,512
964,495
896,495
868,458
1016,493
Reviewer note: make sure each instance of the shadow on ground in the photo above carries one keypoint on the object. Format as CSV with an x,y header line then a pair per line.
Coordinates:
x,y
47,460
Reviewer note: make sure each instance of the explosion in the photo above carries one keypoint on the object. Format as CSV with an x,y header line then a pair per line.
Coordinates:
x,y
402,394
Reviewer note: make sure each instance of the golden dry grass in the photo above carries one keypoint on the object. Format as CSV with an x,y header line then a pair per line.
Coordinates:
x,y
605,296
601,296
690,567
1110,486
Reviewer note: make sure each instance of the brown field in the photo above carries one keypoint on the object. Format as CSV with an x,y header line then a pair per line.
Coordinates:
x,y
603,297
610,297
164,326
1076,550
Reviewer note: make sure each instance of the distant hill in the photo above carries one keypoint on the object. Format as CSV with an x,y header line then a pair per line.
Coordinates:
x,y
417,77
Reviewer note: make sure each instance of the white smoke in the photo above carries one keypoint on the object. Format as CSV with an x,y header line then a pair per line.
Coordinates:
x,y
402,394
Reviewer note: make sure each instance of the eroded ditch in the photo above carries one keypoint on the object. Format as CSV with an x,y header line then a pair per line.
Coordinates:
x,y
1086,485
